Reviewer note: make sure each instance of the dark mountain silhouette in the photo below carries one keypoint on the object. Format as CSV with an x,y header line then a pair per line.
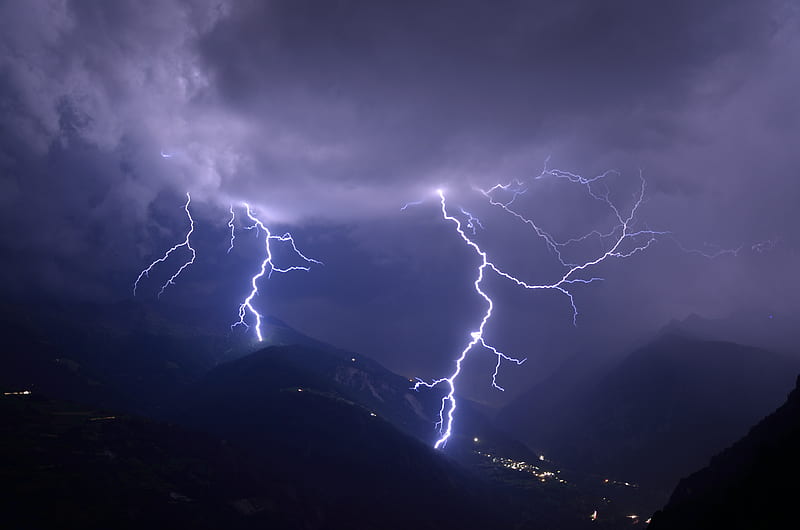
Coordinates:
x,y
123,356
755,326
319,459
292,406
536,413
303,427
73,466
299,435
130,357
660,413
749,485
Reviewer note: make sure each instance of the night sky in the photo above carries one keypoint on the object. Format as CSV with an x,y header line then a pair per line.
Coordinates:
x,y
329,116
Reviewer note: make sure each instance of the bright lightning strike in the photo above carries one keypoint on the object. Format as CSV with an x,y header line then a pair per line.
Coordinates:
x,y
185,244
448,408
233,228
622,233
267,268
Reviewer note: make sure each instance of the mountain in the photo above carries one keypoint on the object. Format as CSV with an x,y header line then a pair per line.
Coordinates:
x,y
755,326
302,427
134,358
749,485
74,466
660,413
326,421
536,413
319,459
329,437
122,356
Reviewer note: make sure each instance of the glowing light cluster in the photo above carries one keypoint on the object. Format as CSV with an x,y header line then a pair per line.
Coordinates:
x,y
620,483
623,242
526,467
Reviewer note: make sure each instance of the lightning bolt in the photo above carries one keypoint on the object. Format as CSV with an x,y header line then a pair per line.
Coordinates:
x,y
232,227
473,223
267,268
410,204
711,251
448,407
622,233
764,246
185,243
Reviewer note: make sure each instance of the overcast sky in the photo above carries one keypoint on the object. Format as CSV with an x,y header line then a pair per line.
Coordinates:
x,y
329,116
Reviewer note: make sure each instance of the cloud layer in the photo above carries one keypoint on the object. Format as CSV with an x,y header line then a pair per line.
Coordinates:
x,y
335,114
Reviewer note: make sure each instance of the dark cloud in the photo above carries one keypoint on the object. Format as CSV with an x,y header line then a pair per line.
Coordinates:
x,y
328,116
384,95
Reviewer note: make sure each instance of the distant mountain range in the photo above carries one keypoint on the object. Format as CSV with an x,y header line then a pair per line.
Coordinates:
x,y
757,327
657,415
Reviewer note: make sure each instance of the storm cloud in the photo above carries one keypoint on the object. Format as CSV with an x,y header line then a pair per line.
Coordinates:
x,y
329,116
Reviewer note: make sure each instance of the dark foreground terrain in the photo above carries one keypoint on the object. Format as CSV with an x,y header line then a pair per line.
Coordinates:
x,y
78,467
749,486
129,423
134,422
657,415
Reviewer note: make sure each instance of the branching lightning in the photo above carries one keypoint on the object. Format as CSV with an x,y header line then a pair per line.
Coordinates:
x,y
185,244
473,223
267,268
267,265
620,233
625,241
448,408
764,246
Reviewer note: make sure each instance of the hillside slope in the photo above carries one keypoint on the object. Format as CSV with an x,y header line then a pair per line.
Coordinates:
x,y
747,486
662,412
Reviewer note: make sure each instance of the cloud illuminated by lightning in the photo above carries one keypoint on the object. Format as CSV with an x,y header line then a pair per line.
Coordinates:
x,y
186,243
621,234
267,268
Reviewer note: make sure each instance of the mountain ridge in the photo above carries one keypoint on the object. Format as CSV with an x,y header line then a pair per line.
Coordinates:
x,y
662,412
745,485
